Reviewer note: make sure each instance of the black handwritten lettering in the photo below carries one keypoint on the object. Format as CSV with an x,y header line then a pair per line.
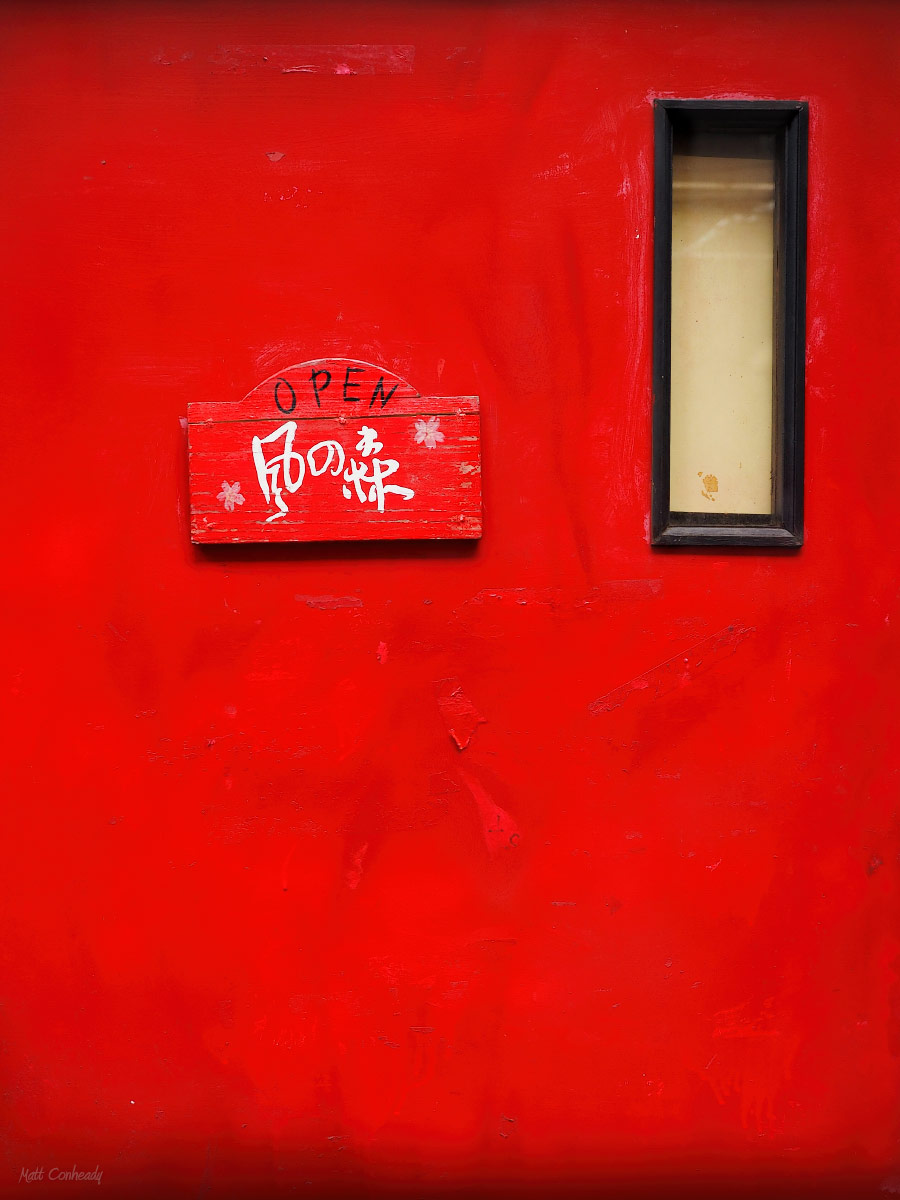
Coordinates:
x,y
313,380
347,383
293,403
379,387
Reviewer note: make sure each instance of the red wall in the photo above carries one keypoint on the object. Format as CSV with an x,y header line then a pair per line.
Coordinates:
x,y
266,930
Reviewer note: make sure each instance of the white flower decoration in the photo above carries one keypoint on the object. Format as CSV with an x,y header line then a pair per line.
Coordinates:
x,y
230,495
429,432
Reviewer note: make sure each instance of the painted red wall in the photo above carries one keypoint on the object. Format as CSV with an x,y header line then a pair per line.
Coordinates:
x,y
266,930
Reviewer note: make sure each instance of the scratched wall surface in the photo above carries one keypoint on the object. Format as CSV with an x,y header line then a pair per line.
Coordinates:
x,y
542,863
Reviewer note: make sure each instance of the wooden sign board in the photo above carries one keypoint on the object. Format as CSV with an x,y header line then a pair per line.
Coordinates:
x,y
334,450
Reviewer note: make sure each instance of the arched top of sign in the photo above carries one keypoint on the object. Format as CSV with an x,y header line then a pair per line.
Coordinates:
x,y
334,449
327,384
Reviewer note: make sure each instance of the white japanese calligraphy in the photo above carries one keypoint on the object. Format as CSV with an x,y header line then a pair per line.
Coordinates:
x,y
286,470
357,475
368,443
267,470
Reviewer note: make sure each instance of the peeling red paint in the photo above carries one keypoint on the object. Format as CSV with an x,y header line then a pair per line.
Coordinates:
x,y
460,715
570,598
355,870
330,603
316,60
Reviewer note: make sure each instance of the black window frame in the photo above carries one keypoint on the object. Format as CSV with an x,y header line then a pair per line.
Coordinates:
x,y
789,121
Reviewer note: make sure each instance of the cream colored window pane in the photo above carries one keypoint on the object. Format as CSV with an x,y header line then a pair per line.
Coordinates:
x,y
723,254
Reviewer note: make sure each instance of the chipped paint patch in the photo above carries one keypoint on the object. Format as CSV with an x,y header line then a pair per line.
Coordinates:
x,y
460,715
318,60
567,598
169,57
329,603
355,870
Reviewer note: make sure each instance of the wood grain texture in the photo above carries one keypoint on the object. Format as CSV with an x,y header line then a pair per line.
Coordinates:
x,y
334,450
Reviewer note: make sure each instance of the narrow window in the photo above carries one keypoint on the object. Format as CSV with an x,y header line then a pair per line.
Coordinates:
x,y
730,264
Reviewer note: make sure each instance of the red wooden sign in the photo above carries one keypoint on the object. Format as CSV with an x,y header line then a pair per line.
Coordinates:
x,y
334,449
